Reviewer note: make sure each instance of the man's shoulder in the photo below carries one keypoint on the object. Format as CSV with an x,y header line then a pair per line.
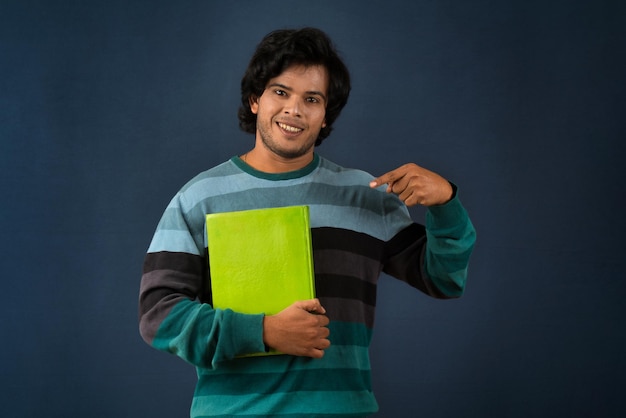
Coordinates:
x,y
224,169
331,168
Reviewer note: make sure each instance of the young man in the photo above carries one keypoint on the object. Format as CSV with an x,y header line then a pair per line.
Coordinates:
x,y
293,90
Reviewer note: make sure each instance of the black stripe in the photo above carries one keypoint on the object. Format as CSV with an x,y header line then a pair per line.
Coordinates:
x,y
334,286
405,238
182,262
328,238
405,260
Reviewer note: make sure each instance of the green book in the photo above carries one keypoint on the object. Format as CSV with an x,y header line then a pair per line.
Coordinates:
x,y
260,260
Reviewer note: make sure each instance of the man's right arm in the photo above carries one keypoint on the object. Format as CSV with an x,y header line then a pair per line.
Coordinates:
x,y
173,320
172,314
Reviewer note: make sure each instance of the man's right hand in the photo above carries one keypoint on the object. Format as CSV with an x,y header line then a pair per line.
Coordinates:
x,y
300,329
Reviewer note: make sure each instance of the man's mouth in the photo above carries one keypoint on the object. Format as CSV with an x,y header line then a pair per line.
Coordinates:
x,y
289,128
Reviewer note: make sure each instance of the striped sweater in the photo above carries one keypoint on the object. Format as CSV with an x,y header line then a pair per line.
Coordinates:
x,y
357,233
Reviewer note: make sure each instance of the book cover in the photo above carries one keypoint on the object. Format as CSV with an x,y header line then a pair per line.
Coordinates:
x,y
260,260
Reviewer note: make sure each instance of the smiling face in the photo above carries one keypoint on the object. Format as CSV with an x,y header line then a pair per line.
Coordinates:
x,y
290,113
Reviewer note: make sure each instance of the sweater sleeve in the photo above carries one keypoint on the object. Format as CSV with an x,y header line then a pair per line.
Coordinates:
x,y
434,258
174,316
450,238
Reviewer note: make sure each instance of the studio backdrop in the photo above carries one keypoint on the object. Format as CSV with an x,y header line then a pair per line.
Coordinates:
x,y
108,107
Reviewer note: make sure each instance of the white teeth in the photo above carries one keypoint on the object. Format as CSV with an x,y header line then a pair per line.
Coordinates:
x,y
289,128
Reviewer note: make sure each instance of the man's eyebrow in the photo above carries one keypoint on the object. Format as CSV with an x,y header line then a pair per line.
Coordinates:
x,y
310,92
317,93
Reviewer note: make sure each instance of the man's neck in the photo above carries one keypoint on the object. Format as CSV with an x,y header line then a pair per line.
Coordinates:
x,y
269,162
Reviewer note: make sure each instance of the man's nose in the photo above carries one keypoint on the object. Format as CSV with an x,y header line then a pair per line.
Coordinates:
x,y
293,105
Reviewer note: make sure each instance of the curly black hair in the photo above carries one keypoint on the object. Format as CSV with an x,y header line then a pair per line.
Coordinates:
x,y
280,50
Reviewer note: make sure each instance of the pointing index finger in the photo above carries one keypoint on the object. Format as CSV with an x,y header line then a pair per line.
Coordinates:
x,y
388,178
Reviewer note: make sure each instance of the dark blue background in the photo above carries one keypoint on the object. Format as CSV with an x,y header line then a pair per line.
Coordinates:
x,y
108,107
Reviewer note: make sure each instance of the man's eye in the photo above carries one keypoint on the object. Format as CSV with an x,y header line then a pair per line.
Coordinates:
x,y
312,100
280,92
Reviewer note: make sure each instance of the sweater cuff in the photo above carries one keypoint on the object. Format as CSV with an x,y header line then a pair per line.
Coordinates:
x,y
248,338
446,215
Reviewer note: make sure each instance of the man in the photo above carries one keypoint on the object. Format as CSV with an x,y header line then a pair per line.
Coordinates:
x,y
293,90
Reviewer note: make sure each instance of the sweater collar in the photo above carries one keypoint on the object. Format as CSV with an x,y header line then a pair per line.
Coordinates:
x,y
289,175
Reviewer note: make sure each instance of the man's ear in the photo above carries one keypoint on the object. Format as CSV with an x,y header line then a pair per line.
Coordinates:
x,y
254,104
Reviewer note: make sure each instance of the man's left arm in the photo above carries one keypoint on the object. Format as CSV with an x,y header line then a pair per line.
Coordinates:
x,y
437,264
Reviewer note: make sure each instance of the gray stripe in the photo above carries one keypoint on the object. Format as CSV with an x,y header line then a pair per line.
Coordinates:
x,y
350,264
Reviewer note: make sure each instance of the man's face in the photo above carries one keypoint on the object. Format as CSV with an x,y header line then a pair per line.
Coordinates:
x,y
292,110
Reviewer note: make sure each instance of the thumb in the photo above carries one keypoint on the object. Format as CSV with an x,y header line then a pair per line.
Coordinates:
x,y
311,305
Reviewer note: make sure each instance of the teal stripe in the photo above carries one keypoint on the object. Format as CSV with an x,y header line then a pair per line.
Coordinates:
x,y
357,415
348,333
185,342
336,356
326,172
305,403
292,381
347,208
191,329
176,241
324,185
222,170
439,260
285,194
350,205
172,219
214,186
451,238
350,218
